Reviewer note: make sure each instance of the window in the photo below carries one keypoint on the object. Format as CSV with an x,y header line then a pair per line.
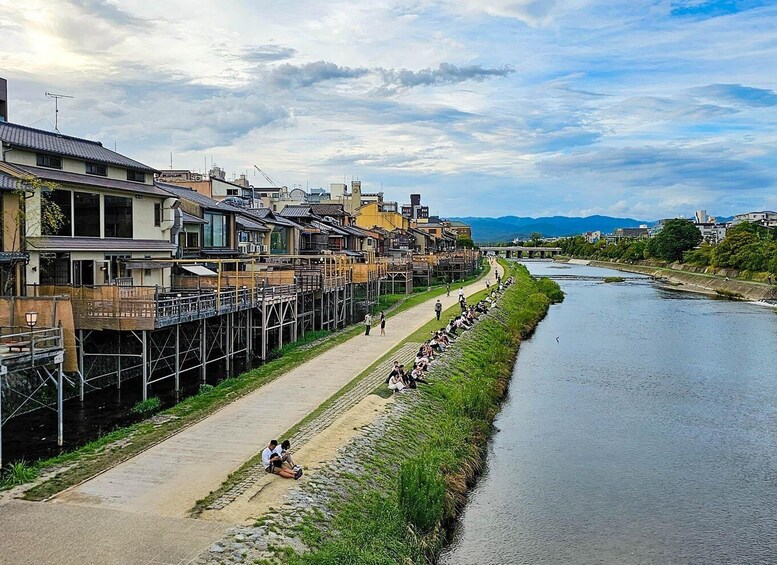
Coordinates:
x,y
157,214
60,199
96,169
279,241
192,239
87,220
231,192
136,176
55,268
215,230
48,161
118,216
114,268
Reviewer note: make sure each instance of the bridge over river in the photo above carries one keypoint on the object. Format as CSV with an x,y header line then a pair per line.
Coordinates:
x,y
524,252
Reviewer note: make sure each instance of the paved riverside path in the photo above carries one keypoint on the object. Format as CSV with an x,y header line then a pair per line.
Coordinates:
x,y
167,479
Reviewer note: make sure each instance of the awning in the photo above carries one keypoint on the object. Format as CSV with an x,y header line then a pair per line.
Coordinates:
x,y
199,270
147,264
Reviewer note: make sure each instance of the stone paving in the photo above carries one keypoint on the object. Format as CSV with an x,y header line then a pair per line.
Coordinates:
x,y
341,405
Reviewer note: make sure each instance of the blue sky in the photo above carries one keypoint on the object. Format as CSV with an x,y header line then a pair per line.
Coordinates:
x,y
644,108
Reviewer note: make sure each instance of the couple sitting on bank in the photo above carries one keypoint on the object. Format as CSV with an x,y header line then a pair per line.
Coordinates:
x,y
277,459
399,381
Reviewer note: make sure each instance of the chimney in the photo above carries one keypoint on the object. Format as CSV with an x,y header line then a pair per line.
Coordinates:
x,y
3,100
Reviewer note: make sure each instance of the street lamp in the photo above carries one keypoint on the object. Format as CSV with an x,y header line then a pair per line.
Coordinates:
x,y
32,319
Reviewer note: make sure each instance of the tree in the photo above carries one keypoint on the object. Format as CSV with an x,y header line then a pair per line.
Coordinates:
x,y
464,241
535,238
676,237
19,221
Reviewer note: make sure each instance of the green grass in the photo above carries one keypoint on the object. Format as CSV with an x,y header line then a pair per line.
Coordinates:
x,y
75,466
16,474
614,279
401,508
147,407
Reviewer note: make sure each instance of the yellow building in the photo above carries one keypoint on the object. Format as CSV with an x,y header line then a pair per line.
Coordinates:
x,y
373,214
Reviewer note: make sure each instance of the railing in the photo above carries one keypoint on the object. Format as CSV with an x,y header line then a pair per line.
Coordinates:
x,y
19,342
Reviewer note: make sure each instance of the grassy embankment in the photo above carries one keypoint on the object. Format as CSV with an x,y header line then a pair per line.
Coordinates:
x,y
75,466
401,509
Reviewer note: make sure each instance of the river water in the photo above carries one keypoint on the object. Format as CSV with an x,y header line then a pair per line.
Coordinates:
x,y
646,434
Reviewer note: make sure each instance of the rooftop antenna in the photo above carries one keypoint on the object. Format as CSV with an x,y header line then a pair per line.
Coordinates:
x,y
56,98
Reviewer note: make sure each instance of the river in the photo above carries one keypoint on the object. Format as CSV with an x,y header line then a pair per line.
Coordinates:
x,y
646,434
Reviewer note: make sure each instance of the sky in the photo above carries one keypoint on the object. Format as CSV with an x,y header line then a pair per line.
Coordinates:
x,y
638,108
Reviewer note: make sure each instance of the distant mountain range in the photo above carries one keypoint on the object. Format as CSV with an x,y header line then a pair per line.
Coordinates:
x,y
507,228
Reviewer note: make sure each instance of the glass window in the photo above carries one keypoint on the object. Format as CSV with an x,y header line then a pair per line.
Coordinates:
x,y
192,239
215,230
55,268
60,199
48,161
279,241
96,169
136,176
87,219
157,214
118,216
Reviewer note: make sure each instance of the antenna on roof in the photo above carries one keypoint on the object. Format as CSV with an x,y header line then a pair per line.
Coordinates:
x,y
56,98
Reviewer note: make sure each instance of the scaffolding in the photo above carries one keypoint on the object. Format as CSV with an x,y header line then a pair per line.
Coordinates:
x,y
31,364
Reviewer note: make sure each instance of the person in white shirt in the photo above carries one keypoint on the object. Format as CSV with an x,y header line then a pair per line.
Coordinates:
x,y
272,462
395,383
283,452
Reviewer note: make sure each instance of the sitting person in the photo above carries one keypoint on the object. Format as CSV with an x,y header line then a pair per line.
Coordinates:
x,y
396,382
417,375
394,370
286,458
272,462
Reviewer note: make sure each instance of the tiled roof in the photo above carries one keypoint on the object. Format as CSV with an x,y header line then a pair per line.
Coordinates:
x,y
328,210
7,182
268,217
191,195
192,219
54,243
296,211
58,176
51,142
249,224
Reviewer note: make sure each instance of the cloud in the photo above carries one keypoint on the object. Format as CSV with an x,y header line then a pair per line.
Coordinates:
x,y
736,94
446,73
108,13
291,76
266,53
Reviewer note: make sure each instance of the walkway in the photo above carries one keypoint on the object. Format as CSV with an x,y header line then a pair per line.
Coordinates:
x,y
135,512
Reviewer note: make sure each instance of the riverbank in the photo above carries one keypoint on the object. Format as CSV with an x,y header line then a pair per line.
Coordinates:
x,y
392,494
690,281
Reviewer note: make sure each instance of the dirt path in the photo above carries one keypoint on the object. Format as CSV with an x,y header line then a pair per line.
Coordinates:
x,y
169,478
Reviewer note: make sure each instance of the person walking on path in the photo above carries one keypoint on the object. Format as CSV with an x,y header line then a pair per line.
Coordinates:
x,y
367,323
461,293
382,323
438,308
488,284
448,289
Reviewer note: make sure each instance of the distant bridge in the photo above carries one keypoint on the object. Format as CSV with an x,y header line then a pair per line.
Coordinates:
x,y
524,252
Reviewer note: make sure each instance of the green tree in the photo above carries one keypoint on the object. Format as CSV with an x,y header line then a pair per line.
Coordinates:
x,y
535,238
677,237
464,241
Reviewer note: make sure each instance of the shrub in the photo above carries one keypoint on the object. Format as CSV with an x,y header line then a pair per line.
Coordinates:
x,y
18,473
147,407
205,388
421,493
551,289
614,279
